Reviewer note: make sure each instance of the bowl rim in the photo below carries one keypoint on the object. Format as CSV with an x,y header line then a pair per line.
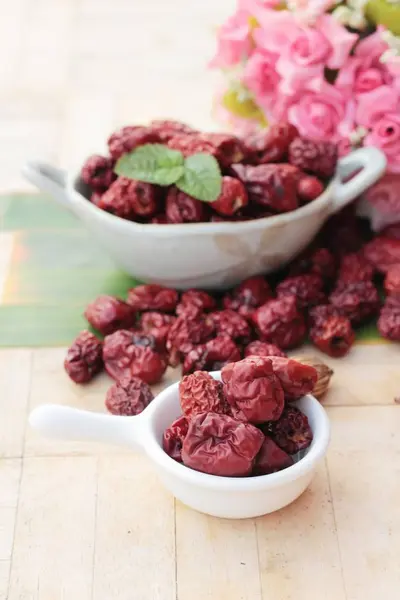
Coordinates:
x,y
171,229
315,452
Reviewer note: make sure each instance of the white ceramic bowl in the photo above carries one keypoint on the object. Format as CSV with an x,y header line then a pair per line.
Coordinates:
x,y
227,497
209,255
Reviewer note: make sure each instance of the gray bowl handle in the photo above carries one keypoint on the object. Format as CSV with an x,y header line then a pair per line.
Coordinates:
x,y
48,179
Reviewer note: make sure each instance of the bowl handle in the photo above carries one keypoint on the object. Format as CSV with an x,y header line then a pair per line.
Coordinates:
x,y
64,422
370,164
48,179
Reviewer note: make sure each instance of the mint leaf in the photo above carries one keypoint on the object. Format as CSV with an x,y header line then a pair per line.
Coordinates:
x,y
152,163
201,178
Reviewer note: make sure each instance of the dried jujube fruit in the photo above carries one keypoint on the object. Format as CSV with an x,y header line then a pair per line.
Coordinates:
x,y
157,325
185,333
153,297
194,302
84,358
253,390
389,319
219,445
319,261
173,438
97,172
333,335
307,288
292,432
227,322
271,458
129,396
392,280
273,186
107,314
130,199
356,300
272,144
296,379
280,322
182,208
354,267
248,295
199,393
128,138
211,356
382,253
258,348
232,198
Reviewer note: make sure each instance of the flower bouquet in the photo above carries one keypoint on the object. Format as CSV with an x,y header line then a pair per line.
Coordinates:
x,y
330,68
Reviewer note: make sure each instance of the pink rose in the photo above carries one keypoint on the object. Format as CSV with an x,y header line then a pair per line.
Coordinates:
x,y
234,42
261,78
379,112
381,203
321,112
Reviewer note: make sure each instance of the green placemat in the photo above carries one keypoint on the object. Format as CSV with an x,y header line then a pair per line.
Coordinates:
x,y
54,270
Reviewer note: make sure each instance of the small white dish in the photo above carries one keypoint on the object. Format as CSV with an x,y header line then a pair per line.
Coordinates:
x,y
227,497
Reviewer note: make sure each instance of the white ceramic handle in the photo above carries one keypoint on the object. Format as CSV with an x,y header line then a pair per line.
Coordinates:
x,y
48,179
371,164
64,422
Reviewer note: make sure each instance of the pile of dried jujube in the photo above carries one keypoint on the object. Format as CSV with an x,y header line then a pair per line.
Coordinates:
x,y
245,424
273,172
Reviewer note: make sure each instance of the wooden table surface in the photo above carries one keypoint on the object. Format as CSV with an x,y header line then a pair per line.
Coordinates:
x,y
90,522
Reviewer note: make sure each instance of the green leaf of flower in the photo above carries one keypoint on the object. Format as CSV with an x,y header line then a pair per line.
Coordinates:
x,y
152,163
201,178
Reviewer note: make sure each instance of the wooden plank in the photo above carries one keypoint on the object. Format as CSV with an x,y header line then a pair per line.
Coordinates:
x,y
135,547
15,375
4,576
10,473
216,558
298,548
364,473
54,539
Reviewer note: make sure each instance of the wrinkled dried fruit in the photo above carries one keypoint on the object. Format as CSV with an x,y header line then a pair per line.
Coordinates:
x,y
107,314
391,231
319,314
258,348
324,374
186,333
232,198
173,438
181,208
309,188
392,280
228,148
129,199
167,129
157,325
199,393
297,379
333,336
219,445
280,322
272,144
382,253
273,186
253,389
228,322
389,319
320,261
354,267
153,297
211,356
194,302
84,358
292,432
315,157
307,288
97,172
357,300
128,138
130,396
191,144
271,458
250,294
128,354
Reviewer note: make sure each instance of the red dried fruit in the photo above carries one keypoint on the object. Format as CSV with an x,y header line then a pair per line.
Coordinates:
x,y
391,231
292,432
95,198
232,198
389,319
296,379
307,288
97,172
211,356
271,458
319,261
129,396
392,280
84,358
191,144
272,144
155,320
168,129
382,253
272,186
186,333
199,393
333,335
280,322
128,199
319,314
128,138
342,233
219,445
125,355
354,267
181,208
253,390
356,300
228,149
258,348
250,294
107,314
173,438
153,297
194,302
313,156
309,188
227,322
